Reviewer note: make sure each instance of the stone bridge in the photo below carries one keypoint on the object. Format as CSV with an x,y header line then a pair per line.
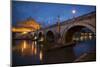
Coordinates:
x,y
64,31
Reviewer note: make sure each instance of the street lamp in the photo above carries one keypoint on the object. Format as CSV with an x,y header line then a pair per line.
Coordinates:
x,y
58,26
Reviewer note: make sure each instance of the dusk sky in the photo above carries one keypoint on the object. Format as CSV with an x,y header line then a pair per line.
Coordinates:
x,y
46,13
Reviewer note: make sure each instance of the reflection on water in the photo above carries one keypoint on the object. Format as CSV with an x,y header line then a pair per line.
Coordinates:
x,y
27,52
26,48
41,55
85,47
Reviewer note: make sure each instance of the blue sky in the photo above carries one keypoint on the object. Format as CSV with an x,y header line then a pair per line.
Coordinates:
x,y
46,13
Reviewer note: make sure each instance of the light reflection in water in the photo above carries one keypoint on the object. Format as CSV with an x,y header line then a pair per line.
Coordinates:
x,y
81,38
85,37
33,48
23,47
22,50
41,55
35,42
90,37
24,44
26,49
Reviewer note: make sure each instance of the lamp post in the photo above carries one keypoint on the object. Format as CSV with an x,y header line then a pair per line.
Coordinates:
x,y
58,26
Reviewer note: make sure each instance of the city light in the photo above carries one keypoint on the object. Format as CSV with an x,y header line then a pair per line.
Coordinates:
x,y
41,55
21,29
24,33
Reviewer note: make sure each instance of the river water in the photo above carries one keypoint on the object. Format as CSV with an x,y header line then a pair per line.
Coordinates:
x,y
28,52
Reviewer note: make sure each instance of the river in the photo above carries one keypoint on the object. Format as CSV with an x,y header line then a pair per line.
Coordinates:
x,y
28,52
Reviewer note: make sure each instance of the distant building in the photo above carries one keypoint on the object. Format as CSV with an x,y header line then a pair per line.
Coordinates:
x,y
26,26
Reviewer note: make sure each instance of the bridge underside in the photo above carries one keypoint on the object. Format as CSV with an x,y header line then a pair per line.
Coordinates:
x,y
75,31
50,36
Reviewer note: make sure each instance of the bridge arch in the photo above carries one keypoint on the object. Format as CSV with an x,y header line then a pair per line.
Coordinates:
x,y
50,36
72,28
40,34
